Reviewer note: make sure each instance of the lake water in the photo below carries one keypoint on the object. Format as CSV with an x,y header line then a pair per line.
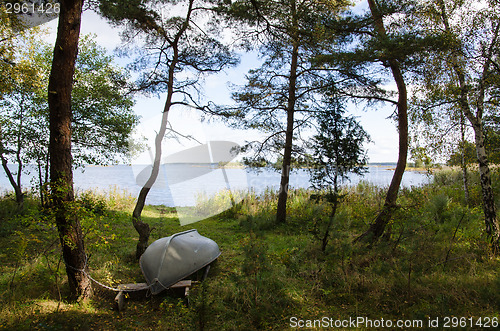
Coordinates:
x,y
182,184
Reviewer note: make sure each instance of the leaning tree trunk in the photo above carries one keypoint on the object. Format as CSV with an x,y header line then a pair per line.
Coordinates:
x,y
16,185
287,154
61,172
378,226
141,227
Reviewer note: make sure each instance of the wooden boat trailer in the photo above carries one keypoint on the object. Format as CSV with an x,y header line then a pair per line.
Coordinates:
x,y
143,287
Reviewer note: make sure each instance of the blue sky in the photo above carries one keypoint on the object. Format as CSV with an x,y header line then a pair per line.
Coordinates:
x,y
383,148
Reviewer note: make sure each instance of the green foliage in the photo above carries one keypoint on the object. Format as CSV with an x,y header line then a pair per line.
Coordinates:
x,y
280,97
7,210
173,311
103,118
301,209
261,293
464,149
449,92
92,203
222,202
421,159
337,148
492,146
11,31
257,212
102,110
451,181
337,151
176,36
435,262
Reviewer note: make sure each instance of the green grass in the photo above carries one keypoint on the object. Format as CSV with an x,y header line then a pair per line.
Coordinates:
x,y
436,262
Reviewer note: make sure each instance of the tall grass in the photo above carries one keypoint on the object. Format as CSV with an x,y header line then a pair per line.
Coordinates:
x,y
434,261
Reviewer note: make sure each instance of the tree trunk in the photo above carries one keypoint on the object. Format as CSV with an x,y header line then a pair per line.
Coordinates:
x,y
40,184
19,193
331,218
285,170
15,182
141,227
378,226
17,187
61,172
463,162
287,154
489,208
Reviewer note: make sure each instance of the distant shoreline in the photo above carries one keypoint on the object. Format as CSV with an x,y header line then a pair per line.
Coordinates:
x,y
237,165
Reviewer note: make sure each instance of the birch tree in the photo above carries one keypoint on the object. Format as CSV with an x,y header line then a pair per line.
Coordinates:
x,y
465,78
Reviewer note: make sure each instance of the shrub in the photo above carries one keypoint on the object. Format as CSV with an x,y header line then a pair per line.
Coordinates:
x,y
92,202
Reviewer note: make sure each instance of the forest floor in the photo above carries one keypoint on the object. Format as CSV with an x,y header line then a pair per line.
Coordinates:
x,y
433,269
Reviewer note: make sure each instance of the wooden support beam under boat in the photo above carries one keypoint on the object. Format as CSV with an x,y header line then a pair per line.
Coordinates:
x,y
138,287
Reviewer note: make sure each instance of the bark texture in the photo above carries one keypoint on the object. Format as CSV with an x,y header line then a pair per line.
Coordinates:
x,y
292,98
463,161
489,208
377,228
476,120
141,227
61,172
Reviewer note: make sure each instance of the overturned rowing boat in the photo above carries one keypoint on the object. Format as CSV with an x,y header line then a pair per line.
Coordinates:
x,y
171,259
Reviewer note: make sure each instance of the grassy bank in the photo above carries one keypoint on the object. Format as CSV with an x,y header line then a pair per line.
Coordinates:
x,y
434,262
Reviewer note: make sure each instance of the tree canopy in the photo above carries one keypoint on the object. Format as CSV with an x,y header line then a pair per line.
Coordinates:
x,y
102,118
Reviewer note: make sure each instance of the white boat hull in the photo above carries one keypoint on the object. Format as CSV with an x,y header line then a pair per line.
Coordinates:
x,y
171,259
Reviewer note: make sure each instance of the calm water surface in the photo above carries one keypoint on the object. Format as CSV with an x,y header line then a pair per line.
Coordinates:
x,y
182,184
